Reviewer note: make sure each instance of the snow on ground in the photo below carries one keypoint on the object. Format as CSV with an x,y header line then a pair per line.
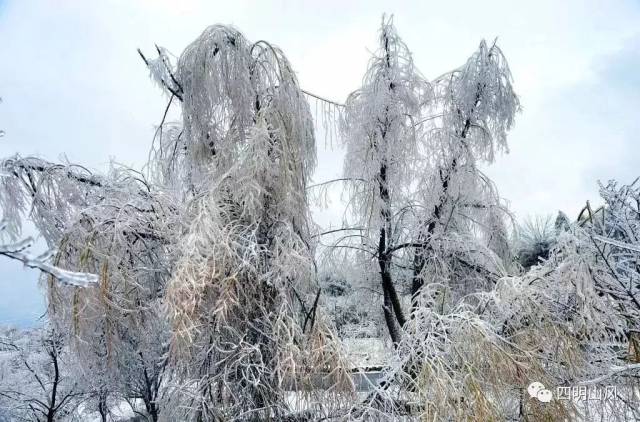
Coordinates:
x,y
366,353
121,412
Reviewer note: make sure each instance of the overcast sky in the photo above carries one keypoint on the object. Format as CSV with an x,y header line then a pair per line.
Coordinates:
x,y
73,84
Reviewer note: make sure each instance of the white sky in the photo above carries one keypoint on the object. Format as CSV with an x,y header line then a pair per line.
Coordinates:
x,y
73,84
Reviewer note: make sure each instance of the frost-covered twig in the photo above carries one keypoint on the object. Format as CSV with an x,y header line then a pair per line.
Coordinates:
x,y
72,278
613,371
18,251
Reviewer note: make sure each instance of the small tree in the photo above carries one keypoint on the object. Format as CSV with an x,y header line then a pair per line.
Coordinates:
x,y
535,239
39,385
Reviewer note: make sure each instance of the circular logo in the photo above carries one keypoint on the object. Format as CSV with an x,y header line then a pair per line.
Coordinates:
x,y
537,390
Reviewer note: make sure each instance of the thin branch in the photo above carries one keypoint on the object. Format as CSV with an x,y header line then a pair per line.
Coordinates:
x,y
317,97
342,179
339,230
612,372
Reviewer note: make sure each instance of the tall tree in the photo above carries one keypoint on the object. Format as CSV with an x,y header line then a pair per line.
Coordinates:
x,y
461,222
413,151
382,155
243,295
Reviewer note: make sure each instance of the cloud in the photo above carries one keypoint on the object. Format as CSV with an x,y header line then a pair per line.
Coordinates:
x,y
578,134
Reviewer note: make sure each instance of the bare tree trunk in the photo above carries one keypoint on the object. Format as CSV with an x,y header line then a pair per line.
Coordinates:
x,y
392,305
102,406
150,393
53,353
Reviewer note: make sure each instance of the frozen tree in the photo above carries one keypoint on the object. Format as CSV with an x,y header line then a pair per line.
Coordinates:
x,y
37,382
561,223
413,150
114,227
242,300
383,147
461,233
607,239
473,337
592,273
562,323
535,238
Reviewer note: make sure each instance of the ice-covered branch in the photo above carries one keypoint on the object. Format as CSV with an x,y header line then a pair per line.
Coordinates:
x,y
613,371
18,251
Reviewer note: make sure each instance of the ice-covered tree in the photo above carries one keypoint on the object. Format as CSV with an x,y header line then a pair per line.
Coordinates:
x,y
243,294
535,238
117,229
607,241
473,337
383,147
562,323
414,186
37,382
461,233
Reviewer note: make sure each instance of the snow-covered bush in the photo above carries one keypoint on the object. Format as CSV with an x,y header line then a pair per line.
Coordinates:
x,y
535,238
